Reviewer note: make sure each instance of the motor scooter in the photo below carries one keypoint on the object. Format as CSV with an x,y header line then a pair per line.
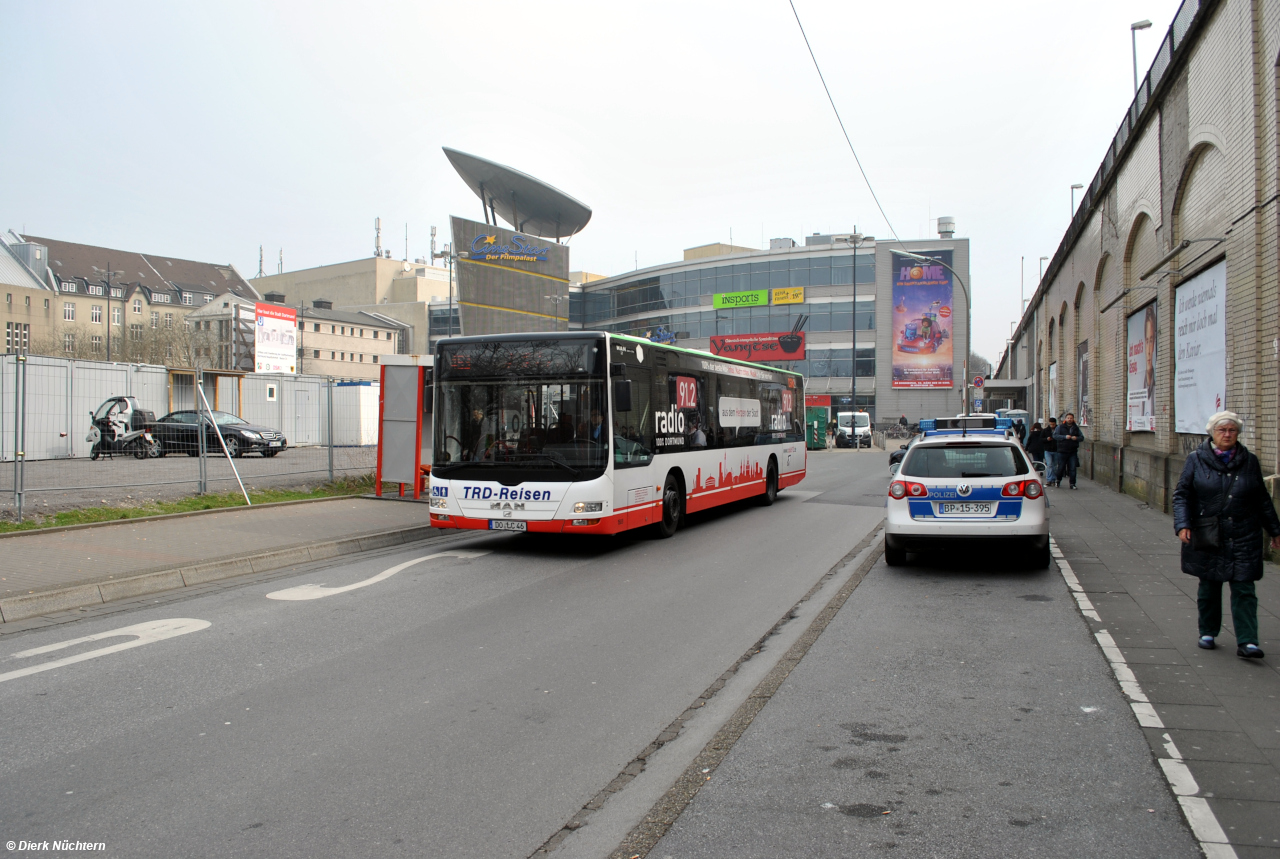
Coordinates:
x,y
120,425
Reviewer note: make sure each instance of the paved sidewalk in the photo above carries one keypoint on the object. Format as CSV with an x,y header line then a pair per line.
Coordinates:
x,y
42,560
1221,712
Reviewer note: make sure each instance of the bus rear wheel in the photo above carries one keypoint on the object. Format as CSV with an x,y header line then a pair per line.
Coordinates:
x,y
672,507
770,486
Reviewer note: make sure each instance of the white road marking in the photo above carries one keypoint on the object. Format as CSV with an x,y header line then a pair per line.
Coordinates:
x,y
1204,823
1180,778
315,592
146,633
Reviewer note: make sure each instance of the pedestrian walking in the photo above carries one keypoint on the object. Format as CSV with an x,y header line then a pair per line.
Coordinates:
x,y
1068,436
1219,508
1050,450
1021,429
1035,443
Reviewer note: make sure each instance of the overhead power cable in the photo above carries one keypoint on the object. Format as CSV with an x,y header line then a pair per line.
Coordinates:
x,y
845,131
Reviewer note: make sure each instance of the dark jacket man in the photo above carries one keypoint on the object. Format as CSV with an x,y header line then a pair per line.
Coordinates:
x,y
1235,492
1068,436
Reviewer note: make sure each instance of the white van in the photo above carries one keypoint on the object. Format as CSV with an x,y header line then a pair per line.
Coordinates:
x,y
853,427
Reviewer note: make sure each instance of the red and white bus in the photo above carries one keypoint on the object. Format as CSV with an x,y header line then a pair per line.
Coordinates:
x,y
585,432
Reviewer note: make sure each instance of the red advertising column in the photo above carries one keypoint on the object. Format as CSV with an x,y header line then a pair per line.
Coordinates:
x,y
382,392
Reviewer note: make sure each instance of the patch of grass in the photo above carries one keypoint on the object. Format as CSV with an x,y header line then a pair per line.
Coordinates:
x,y
342,486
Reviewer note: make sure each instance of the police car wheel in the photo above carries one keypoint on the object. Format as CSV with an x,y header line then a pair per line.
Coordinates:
x,y
894,556
1040,558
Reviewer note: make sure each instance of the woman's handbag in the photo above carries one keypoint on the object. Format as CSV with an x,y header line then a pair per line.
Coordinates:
x,y
1206,534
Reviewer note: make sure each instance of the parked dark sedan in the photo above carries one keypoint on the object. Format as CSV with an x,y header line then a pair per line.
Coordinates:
x,y
177,432
901,452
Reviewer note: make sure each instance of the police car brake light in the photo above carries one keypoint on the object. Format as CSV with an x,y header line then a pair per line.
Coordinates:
x,y
1023,489
903,488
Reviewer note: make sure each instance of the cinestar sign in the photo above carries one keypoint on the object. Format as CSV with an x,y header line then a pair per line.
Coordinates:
x,y
779,346
486,248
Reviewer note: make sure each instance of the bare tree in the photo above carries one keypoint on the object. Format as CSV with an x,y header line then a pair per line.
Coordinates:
x,y
178,344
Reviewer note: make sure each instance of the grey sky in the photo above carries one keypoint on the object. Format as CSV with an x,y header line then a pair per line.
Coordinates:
x,y
204,130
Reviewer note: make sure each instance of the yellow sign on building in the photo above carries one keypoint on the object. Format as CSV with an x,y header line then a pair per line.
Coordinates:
x,y
791,295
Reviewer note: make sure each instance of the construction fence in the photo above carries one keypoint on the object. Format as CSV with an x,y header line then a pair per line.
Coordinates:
x,y
46,406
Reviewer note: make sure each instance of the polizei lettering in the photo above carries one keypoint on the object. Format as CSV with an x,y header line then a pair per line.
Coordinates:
x,y
672,421
486,493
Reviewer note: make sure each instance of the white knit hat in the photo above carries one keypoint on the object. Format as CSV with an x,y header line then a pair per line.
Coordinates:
x,y
1223,417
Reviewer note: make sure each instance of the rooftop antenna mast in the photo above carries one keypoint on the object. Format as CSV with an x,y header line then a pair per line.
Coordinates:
x,y
377,237
261,273
280,265
433,245
406,242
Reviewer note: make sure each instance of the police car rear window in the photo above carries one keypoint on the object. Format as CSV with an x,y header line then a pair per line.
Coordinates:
x,y
965,459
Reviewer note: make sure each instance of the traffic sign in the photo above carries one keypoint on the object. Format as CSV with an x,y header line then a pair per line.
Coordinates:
x,y
977,404
977,381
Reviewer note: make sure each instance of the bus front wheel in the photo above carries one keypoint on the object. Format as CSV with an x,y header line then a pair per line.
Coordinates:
x,y
672,507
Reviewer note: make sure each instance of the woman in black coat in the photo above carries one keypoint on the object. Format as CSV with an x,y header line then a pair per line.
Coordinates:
x,y
1035,442
1219,508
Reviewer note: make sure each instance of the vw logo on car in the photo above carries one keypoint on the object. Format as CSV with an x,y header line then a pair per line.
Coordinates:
x,y
963,490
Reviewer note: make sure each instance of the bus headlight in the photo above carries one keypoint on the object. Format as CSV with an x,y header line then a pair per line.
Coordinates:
x,y
440,503
588,507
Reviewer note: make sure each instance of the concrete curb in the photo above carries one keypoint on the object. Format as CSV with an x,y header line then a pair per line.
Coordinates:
x,y
58,528
78,596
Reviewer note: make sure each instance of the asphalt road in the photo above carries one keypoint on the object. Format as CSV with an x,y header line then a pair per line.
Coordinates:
x,y
462,706
414,703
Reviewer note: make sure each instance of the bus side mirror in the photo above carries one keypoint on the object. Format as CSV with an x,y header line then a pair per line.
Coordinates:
x,y
622,395
428,398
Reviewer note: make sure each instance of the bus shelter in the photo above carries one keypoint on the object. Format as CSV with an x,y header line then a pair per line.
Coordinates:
x,y
404,422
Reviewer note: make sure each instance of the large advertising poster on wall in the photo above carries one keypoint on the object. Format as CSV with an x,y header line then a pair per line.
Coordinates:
x,y
922,322
1200,347
1053,389
1141,351
1085,416
275,339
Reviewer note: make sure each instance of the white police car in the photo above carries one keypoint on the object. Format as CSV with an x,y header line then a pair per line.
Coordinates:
x,y
966,482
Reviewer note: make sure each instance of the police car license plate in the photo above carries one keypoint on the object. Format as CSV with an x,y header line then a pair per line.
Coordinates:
x,y
971,508
507,525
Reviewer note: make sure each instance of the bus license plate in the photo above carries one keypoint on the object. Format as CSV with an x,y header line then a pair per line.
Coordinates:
x,y
963,508
507,525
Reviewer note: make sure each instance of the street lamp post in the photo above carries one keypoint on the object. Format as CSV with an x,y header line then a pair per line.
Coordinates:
x,y
968,315
1133,32
857,240
1074,188
555,302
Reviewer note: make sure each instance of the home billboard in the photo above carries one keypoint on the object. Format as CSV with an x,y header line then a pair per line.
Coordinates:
x,y
922,322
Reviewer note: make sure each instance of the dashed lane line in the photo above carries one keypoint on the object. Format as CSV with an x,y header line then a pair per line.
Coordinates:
x,y
1203,822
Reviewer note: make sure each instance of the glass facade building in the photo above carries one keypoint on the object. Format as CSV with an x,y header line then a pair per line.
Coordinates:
x,y
837,273
846,312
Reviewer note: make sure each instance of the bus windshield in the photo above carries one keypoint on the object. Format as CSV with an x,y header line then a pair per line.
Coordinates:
x,y
495,420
